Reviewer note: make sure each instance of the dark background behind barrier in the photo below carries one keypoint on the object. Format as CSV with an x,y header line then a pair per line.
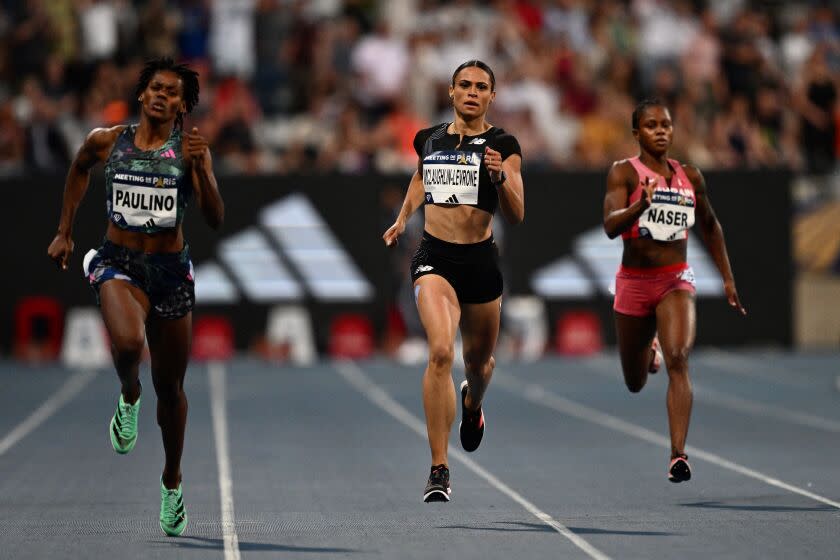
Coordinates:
x,y
754,209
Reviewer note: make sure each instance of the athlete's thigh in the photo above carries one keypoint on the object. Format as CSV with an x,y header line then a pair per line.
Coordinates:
x,y
438,308
170,341
124,308
677,322
480,329
635,335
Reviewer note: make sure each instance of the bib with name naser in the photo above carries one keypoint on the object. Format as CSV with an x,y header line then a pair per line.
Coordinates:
x,y
451,177
669,216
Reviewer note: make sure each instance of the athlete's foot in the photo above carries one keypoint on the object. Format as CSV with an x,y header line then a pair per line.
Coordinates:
x,y
656,360
123,428
173,514
679,470
471,428
437,488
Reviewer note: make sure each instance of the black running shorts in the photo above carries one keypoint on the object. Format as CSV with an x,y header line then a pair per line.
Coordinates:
x,y
471,269
167,278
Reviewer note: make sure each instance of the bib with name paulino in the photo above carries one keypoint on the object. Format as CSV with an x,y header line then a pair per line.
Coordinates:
x,y
144,199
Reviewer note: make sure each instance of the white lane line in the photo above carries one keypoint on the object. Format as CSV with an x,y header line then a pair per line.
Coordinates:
x,y
756,368
72,387
218,406
731,402
538,395
357,378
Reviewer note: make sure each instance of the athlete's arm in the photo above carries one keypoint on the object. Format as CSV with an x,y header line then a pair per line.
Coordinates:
x,y
205,187
511,190
94,149
413,201
618,217
712,233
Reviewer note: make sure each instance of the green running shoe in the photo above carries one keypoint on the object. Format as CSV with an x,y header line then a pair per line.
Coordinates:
x,y
173,514
124,426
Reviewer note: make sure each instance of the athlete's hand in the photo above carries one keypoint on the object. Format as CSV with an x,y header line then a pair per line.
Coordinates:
x,y
647,192
732,296
493,163
60,250
197,146
391,236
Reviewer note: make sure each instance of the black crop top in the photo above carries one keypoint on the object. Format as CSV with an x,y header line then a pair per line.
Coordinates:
x,y
456,175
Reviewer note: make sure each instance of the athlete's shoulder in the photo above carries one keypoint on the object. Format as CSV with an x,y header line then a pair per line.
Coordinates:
x,y
506,143
622,166
100,137
424,134
693,173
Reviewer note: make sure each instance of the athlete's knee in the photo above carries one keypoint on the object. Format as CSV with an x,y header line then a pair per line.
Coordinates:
x,y
676,359
441,356
128,347
170,394
481,364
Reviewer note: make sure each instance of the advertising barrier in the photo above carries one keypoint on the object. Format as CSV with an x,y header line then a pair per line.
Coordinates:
x,y
313,243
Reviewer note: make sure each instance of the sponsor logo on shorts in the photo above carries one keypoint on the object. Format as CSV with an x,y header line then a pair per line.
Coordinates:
x,y
423,268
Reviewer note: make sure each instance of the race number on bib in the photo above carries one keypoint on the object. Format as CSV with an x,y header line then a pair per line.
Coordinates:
x,y
135,204
451,177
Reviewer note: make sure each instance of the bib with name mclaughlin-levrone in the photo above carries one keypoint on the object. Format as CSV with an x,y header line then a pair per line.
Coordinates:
x,y
451,177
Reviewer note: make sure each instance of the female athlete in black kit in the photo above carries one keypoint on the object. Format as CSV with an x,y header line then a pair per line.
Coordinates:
x,y
466,169
651,201
142,274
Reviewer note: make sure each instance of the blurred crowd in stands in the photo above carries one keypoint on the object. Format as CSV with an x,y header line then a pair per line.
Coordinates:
x,y
342,85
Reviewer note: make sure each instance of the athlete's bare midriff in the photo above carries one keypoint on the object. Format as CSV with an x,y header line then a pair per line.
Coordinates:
x,y
170,241
458,223
649,253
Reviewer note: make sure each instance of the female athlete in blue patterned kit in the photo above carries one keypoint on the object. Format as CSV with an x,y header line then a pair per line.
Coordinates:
x,y
467,169
142,274
652,201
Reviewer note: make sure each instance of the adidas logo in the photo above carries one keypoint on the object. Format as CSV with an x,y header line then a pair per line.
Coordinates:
x,y
150,223
289,254
170,153
452,200
590,269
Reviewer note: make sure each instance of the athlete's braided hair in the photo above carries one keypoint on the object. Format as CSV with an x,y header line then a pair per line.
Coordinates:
x,y
189,79
640,108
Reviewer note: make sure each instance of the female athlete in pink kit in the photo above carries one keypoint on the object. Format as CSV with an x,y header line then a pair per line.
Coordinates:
x,y
652,201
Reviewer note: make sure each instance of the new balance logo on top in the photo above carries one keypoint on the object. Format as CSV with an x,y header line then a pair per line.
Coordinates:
x,y
479,141
452,200
150,223
170,153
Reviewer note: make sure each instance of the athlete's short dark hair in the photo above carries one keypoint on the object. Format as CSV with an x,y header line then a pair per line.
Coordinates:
x,y
477,64
640,108
189,79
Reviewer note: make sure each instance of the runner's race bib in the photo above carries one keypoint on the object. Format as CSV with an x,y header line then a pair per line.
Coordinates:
x,y
669,216
451,177
140,199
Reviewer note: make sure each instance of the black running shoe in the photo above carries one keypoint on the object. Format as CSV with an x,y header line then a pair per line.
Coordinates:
x,y
437,489
680,470
471,428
